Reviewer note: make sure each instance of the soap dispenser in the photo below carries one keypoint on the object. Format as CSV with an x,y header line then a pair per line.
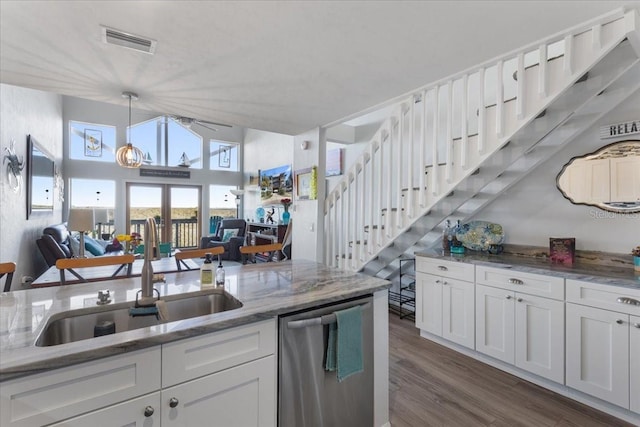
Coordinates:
x,y
220,273
206,272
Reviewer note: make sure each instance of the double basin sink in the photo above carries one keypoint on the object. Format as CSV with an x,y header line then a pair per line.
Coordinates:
x,y
81,324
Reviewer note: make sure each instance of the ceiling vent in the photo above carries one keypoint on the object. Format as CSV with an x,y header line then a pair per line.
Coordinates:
x,y
128,40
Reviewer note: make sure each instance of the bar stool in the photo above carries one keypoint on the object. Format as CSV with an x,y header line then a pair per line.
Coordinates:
x,y
7,268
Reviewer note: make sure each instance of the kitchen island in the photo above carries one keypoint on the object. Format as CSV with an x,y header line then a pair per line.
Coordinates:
x,y
265,291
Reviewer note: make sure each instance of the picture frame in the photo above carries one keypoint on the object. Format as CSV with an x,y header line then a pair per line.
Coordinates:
x,y
224,156
92,143
275,184
334,162
305,184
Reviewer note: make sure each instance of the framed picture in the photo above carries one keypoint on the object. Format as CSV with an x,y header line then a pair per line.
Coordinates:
x,y
305,184
92,143
275,184
334,162
224,156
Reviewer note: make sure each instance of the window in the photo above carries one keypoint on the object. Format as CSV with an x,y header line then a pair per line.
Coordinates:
x,y
165,142
223,156
221,202
92,142
97,194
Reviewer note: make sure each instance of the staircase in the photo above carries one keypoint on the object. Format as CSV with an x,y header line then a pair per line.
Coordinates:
x,y
449,149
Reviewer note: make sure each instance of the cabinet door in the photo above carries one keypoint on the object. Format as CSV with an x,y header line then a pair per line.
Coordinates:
x,y
242,396
540,336
458,320
141,412
598,353
634,359
495,323
429,303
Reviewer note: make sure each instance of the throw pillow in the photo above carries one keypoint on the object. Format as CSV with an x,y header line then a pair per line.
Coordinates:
x,y
228,234
92,246
74,243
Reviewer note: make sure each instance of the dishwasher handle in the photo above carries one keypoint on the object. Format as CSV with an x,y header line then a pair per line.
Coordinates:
x,y
320,320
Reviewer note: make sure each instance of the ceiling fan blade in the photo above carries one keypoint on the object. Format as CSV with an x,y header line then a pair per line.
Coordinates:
x,y
200,123
213,123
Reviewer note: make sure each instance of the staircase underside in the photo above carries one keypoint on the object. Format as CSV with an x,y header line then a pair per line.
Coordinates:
x,y
608,83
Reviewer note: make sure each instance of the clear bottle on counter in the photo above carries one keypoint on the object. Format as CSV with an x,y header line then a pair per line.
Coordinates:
x,y
206,272
220,273
446,237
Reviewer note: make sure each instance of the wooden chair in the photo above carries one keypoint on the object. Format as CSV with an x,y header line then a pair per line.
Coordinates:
x,y
71,263
7,268
195,253
271,248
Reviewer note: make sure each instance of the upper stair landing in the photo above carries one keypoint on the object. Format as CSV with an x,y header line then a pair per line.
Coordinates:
x,y
447,142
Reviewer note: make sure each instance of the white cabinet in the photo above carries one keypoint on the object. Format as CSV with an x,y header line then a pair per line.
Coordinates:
x,y
634,364
445,301
523,329
231,372
603,343
242,396
141,412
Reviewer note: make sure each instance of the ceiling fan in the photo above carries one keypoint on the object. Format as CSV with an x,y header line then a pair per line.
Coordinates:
x,y
188,121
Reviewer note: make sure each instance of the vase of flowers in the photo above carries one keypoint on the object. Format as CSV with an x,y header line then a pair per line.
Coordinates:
x,y
286,216
636,258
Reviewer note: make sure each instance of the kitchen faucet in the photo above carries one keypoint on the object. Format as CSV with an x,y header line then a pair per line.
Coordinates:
x,y
151,251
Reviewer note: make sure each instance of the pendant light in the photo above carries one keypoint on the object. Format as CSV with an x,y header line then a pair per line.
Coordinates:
x,y
129,156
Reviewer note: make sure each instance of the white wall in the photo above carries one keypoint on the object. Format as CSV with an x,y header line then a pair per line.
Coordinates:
x,y
262,150
534,210
23,112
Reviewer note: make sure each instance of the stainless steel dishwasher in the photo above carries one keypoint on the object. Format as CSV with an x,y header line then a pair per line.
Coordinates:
x,y
310,396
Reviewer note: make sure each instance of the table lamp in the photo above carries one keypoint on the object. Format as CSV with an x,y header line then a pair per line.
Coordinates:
x,y
80,220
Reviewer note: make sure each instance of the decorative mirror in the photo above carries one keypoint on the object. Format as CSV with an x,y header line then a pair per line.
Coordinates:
x,y
608,178
40,173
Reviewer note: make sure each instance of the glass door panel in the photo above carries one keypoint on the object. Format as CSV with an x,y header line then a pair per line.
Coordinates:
x,y
185,216
144,201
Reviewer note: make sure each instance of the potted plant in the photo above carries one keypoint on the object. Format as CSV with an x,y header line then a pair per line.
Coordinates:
x,y
636,258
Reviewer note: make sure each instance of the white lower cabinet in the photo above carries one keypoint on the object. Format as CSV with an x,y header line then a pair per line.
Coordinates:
x,y
634,364
445,305
598,353
524,330
225,378
140,412
242,396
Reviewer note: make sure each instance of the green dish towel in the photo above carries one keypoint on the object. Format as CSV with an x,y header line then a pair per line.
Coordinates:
x,y
344,346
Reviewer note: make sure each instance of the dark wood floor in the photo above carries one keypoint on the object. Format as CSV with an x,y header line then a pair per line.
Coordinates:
x,y
431,385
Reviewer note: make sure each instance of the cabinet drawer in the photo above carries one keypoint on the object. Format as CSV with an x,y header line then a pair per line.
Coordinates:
x,y
452,269
195,357
528,283
63,393
604,296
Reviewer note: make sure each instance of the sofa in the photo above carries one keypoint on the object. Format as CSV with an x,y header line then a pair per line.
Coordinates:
x,y
57,243
230,235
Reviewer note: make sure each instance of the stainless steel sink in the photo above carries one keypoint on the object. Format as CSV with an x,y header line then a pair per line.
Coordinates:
x,y
79,325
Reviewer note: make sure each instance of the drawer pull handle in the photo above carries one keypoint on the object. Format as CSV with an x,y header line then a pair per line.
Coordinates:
x,y
508,297
619,321
519,299
636,325
516,281
445,282
442,268
173,402
631,301
148,411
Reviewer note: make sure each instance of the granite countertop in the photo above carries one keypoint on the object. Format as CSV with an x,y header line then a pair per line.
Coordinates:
x,y
590,272
266,290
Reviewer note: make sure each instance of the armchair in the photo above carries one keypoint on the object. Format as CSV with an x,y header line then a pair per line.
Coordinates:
x,y
230,235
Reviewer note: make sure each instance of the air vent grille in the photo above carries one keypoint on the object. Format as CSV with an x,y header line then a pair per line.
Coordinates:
x,y
128,40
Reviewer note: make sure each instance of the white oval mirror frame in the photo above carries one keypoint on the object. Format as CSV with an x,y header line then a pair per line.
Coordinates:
x,y
608,178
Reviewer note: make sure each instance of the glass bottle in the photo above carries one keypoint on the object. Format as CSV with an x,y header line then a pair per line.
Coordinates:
x,y
446,237
220,273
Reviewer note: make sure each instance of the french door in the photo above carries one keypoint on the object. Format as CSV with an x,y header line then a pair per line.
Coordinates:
x,y
176,209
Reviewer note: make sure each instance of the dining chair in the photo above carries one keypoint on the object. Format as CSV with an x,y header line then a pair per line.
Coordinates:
x,y
70,263
252,250
195,253
7,268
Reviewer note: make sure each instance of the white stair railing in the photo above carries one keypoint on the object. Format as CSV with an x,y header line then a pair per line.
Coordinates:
x,y
421,152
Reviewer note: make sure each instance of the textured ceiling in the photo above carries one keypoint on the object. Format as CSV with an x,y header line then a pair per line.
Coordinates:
x,y
281,66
